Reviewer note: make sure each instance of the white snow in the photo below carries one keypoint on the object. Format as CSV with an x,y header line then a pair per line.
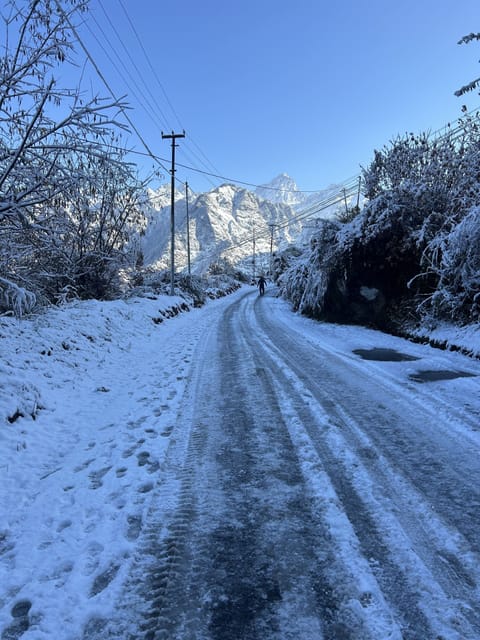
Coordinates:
x,y
103,382
89,397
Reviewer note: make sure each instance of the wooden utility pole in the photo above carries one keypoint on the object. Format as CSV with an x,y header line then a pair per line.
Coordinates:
x,y
188,229
271,225
172,136
253,259
345,199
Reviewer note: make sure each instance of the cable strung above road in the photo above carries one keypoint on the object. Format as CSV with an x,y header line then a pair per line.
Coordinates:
x,y
159,117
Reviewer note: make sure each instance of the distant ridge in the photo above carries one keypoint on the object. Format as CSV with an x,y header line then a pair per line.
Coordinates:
x,y
224,221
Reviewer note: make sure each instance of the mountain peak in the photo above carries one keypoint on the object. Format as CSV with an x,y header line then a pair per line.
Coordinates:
x,y
281,189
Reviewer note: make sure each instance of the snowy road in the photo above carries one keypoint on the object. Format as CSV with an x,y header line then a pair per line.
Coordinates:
x,y
237,472
311,493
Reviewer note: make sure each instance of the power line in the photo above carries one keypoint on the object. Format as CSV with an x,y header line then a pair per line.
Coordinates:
x,y
318,207
109,89
144,102
132,61
139,40
149,105
162,88
154,109
350,187
346,184
237,181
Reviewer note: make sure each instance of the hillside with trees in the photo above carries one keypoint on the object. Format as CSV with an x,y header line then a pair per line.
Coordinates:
x,y
412,254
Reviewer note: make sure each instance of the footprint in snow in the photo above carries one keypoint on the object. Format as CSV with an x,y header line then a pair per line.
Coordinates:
x,y
84,465
6,544
145,488
20,622
134,527
96,477
131,450
64,525
102,580
143,458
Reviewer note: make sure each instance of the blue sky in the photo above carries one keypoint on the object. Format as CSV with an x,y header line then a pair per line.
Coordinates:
x,y
309,88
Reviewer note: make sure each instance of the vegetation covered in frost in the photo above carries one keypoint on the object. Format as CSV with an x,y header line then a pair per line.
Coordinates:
x,y
413,250
68,200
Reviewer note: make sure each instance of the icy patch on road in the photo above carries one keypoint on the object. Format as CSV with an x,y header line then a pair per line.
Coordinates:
x,y
384,355
434,375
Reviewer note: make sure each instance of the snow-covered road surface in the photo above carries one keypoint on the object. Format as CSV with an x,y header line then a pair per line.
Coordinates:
x,y
266,480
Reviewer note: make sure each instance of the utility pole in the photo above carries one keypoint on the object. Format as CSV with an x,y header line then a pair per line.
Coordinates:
x,y
271,225
253,260
172,136
358,194
188,230
345,199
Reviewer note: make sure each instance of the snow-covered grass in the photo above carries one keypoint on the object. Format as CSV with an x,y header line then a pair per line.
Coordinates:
x,y
89,396
452,337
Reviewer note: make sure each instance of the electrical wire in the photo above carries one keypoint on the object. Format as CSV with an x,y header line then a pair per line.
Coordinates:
x,y
154,109
346,185
107,85
155,75
316,208
133,63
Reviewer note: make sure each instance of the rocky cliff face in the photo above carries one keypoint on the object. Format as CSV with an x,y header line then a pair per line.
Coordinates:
x,y
224,223
228,222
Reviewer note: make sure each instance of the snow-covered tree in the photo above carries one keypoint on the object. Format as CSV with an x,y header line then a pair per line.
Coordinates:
x,y
413,249
55,145
474,84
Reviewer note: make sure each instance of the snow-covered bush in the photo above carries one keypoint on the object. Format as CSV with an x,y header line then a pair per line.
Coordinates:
x,y
68,200
413,248
457,267
15,299
305,281
282,260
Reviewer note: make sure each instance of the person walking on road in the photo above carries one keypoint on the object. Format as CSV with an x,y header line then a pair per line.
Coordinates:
x,y
261,285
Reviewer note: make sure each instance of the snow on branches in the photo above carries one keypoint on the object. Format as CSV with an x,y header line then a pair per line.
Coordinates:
x,y
416,242
16,299
68,199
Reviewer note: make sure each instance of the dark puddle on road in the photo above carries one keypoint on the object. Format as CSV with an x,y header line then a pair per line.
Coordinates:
x,y
384,355
428,375
423,375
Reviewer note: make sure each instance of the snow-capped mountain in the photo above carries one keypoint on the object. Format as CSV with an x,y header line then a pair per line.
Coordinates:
x,y
283,189
229,222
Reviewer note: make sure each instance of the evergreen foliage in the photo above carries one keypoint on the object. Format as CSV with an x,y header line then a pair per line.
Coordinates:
x,y
413,249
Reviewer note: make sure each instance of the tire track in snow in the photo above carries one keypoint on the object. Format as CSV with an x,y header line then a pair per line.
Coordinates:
x,y
227,577
453,563
268,521
256,560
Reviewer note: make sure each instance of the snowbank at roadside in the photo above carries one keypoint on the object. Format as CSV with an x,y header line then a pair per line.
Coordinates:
x,y
450,337
89,397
